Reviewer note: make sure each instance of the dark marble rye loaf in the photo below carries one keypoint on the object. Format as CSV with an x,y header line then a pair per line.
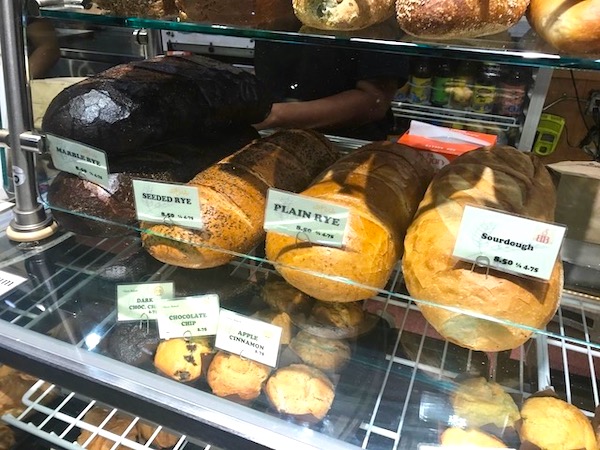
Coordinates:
x,y
131,106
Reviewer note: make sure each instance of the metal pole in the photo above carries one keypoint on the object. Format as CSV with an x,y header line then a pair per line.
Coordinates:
x,y
30,222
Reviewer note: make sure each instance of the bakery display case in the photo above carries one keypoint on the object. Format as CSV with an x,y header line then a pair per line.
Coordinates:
x,y
374,347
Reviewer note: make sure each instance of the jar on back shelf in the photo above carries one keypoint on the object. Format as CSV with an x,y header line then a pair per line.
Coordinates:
x,y
460,87
512,91
484,90
420,81
442,77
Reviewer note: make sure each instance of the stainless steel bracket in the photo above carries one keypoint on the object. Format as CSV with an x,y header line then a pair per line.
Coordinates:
x,y
29,141
31,222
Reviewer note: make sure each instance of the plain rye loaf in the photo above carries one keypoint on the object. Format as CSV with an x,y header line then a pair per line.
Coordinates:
x,y
381,184
504,179
233,194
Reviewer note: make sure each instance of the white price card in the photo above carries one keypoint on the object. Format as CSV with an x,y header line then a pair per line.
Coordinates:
x,y
138,301
82,160
8,282
306,218
174,204
248,338
508,243
188,316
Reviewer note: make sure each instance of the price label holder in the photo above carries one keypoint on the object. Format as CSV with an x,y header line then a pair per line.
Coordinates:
x,y
306,218
508,243
82,160
138,301
8,282
248,338
188,316
175,204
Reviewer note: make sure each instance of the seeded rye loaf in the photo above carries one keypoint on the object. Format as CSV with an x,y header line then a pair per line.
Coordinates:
x,y
233,197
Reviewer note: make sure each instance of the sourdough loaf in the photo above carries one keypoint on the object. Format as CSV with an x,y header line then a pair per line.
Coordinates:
x,y
504,179
233,197
454,19
133,106
342,14
569,26
381,184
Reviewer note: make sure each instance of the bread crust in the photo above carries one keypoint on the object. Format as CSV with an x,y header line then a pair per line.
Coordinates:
x,y
382,184
569,26
269,14
342,14
501,178
233,196
230,374
299,389
469,438
181,359
454,19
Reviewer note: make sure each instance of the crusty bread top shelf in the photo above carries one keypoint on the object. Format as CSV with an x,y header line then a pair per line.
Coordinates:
x,y
519,45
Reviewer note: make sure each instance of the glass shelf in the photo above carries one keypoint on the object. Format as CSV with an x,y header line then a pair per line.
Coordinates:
x,y
519,45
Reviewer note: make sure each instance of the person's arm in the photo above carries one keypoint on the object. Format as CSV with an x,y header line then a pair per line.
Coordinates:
x,y
369,101
44,43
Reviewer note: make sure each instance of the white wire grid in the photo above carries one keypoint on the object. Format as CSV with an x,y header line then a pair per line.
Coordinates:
x,y
62,422
420,367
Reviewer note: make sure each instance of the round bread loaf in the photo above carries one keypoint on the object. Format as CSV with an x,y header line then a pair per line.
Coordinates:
x,y
230,374
570,26
181,359
455,19
300,390
381,184
342,14
471,438
233,198
551,423
504,179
